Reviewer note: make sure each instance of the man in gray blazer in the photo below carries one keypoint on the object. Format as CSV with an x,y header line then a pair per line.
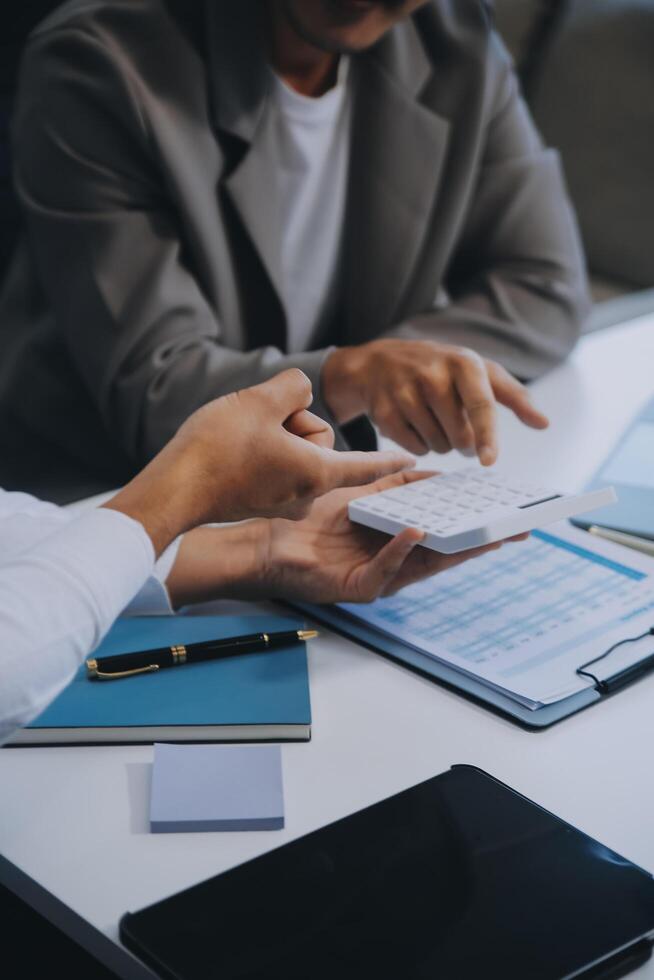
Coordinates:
x,y
215,191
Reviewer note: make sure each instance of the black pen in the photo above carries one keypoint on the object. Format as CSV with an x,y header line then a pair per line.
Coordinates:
x,y
148,661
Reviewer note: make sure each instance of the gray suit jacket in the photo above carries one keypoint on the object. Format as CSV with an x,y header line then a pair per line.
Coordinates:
x,y
148,279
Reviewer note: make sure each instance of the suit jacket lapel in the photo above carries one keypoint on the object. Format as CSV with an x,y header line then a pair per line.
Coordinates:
x,y
251,187
398,151
240,80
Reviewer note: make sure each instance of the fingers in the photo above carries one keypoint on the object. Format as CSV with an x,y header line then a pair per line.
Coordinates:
x,y
423,563
415,409
450,405
427,395
289,392
456,423
381,570
400,563
355,469
308,426
396,480
437,405
420,564
394,425
510,392
388,482
476,394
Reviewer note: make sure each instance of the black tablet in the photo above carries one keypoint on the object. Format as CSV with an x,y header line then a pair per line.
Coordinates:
x,y
459,877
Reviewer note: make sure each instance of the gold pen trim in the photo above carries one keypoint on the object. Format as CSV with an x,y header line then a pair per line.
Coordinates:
x,y
92,667
307,634
179,654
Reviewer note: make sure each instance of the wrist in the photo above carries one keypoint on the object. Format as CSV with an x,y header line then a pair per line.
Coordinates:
x,y
289,568
221,563
341,382
161,499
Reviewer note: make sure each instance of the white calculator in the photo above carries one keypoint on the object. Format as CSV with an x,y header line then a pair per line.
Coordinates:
x,y
470,507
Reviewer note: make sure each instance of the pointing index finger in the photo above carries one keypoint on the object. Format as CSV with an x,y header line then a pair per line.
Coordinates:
x,y
355,469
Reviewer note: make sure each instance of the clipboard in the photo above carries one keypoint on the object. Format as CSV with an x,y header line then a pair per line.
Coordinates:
x,y
596,597
453,680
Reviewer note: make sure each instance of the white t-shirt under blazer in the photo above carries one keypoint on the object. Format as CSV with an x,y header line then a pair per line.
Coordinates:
x,y
313,137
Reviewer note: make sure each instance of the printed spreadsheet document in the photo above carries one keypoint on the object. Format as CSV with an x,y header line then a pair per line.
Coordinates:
x,y
522,619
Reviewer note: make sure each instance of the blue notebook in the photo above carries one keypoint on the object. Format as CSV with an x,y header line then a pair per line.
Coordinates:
x,y
256,697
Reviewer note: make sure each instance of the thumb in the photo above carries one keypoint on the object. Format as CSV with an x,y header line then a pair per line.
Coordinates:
x,y
288,392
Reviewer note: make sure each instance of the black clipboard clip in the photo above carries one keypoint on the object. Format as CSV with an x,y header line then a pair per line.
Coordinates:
x,y
623,677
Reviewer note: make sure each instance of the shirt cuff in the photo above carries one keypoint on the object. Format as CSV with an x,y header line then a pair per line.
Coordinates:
x,y
154,599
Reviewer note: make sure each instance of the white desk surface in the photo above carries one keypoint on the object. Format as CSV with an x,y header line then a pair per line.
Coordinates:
x,y
75,819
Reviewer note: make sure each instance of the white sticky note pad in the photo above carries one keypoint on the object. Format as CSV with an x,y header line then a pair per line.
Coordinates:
x,y
216,787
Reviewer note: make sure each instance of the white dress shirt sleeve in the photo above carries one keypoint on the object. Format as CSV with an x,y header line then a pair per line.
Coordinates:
x,y
58,598
153,598
26,521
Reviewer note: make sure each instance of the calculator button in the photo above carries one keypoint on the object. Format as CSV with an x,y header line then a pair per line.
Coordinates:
x,y
449,504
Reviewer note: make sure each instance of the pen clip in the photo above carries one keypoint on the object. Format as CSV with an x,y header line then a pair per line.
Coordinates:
x,y
92,667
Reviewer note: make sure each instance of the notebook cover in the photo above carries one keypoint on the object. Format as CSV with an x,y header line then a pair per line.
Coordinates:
x,y
261,689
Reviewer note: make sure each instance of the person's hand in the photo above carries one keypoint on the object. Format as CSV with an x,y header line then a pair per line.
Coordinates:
x,y
256,452
323,558
327,558
424,395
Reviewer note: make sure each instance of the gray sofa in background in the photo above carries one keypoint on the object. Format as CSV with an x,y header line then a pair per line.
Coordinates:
x,y
588,74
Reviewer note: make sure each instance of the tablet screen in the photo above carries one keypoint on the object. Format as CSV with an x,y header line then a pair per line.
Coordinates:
x,y
458,877
632,464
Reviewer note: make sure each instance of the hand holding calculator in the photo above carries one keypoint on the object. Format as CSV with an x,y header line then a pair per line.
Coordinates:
x,y
469,508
